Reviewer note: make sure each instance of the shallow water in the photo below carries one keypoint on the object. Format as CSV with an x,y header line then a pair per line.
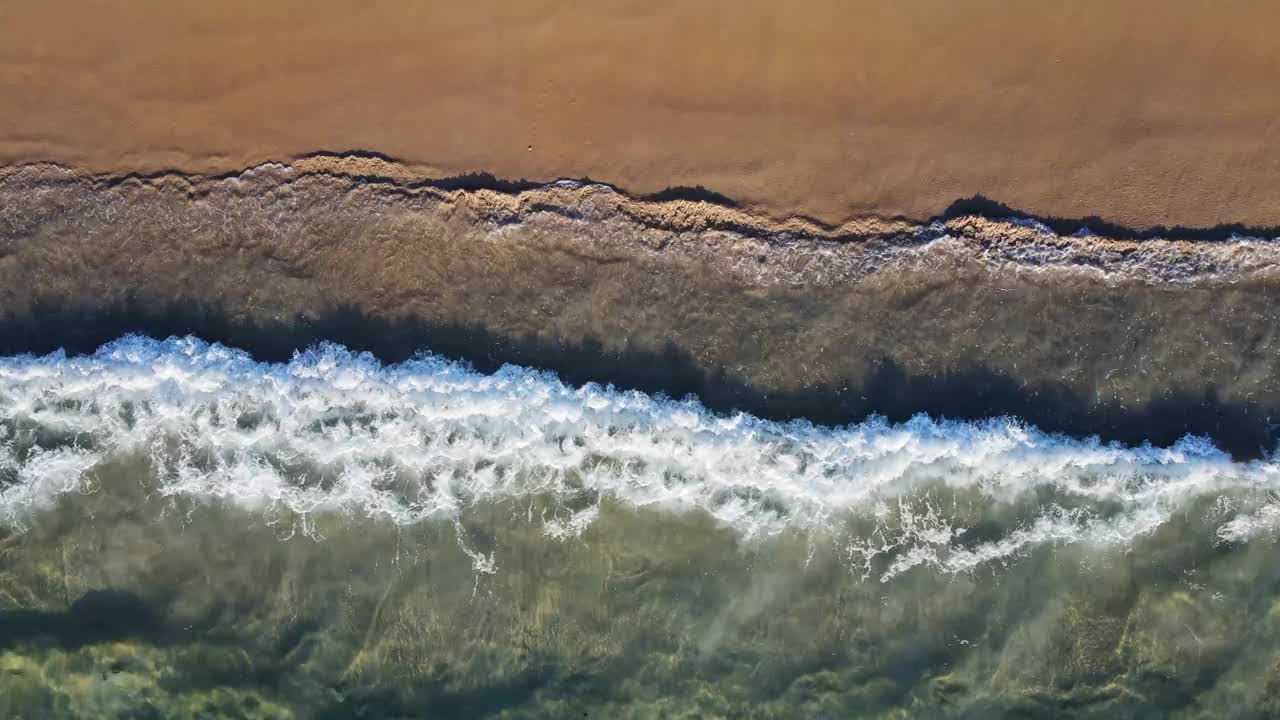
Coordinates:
x,y
969,469
191,533
1135,341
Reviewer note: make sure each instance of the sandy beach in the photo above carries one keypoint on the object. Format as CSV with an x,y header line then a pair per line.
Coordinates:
x,y
1141,113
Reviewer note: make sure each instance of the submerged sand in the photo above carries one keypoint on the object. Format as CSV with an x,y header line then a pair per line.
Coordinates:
x,y
1143,113
1135,340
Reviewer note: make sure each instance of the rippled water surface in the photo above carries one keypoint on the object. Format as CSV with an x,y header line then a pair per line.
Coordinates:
x,y
190,531
611,458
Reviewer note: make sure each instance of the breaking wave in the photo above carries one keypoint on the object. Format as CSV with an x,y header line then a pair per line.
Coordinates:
x,y
336,431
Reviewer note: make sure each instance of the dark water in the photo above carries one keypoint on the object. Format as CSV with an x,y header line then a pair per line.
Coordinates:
x,y
186,532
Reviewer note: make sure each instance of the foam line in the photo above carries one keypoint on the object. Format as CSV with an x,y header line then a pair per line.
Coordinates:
x,y
334,431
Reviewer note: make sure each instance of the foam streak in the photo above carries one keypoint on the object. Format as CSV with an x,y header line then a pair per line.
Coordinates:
x,y
333,431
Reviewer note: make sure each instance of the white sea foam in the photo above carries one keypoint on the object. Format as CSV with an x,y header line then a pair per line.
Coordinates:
x,y
333,431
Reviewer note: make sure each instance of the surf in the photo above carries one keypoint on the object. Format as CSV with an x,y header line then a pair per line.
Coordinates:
x,y
335,431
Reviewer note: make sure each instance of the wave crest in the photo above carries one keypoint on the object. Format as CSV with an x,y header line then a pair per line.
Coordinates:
x,y
336,431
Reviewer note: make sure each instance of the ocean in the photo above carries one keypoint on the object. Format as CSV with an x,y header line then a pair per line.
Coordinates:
x,y
188,530
302,444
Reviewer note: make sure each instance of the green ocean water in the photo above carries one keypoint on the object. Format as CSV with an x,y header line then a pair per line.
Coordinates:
x,y
122,603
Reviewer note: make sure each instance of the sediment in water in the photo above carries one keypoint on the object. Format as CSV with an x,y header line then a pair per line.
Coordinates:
x,y
968,317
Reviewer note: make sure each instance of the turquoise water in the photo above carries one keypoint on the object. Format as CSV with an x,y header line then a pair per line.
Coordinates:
x,y
191,533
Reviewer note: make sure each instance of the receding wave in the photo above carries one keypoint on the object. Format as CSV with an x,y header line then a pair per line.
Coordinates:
x,y
737,243
337,432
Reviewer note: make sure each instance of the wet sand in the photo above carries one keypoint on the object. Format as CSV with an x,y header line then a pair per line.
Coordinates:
x,y
1144,113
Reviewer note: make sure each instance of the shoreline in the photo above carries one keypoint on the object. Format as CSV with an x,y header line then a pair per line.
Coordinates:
x,y
1147,114
639,358
675,209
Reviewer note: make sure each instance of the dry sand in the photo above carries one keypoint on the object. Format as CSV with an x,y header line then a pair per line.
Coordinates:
x,y
1140,112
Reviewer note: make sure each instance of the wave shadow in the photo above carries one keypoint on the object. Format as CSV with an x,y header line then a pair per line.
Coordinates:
x,y
986,207
1244,429
97,616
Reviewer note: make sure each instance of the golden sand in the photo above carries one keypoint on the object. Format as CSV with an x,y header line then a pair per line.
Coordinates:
x,y
1143,113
